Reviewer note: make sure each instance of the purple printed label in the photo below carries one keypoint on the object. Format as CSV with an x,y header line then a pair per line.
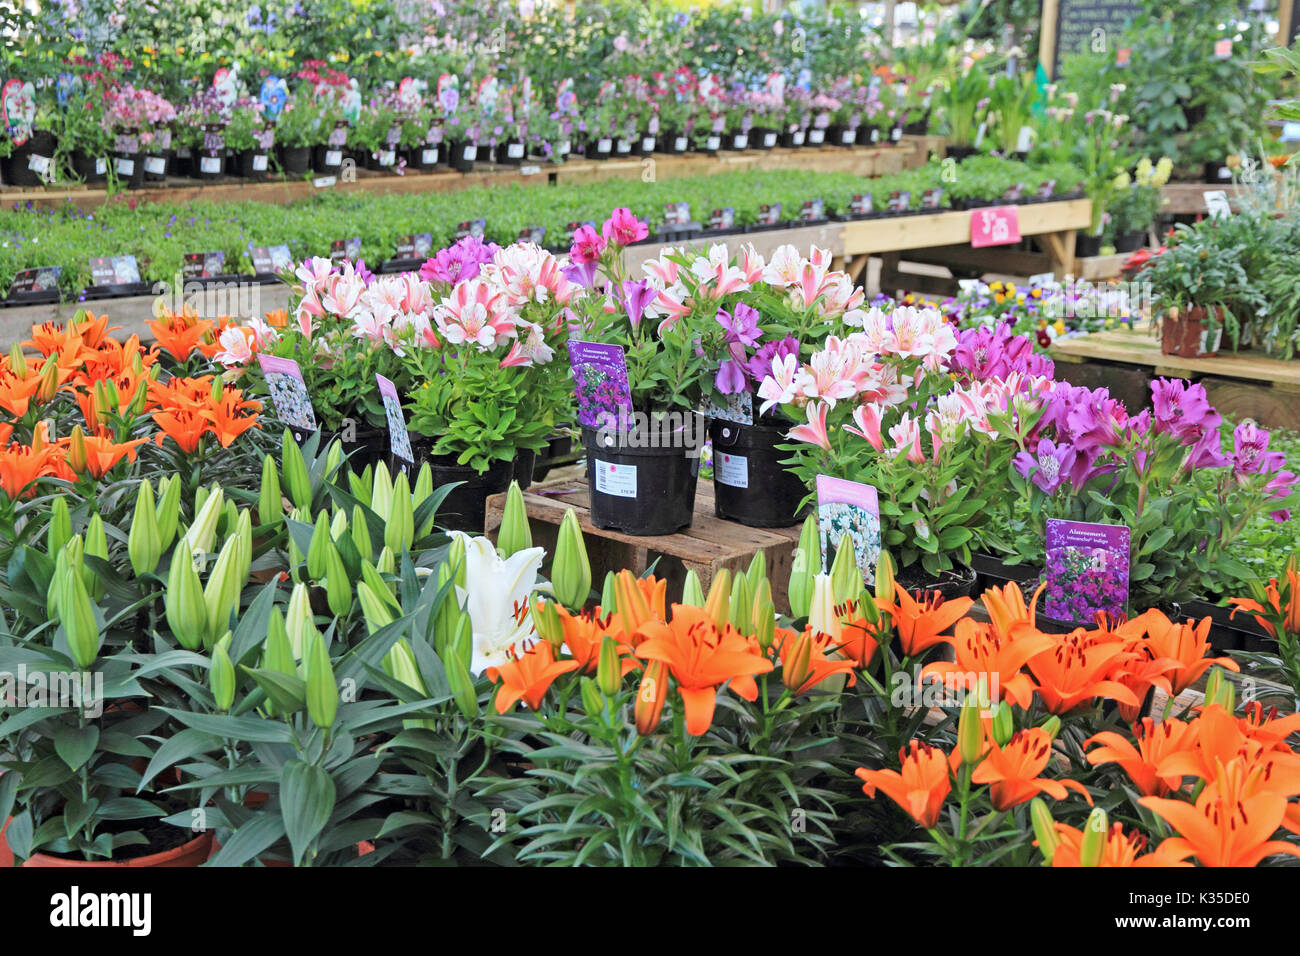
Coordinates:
x,y
1087,570
288,392
849,508
600,382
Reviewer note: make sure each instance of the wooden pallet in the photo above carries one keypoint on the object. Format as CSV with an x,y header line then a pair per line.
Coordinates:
x,y
1240,385
708,546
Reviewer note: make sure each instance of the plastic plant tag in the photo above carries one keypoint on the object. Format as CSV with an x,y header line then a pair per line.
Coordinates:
x,y
289,393
852,508
600,382
399,440
114,270
32,281
1087,570
737,408
616,480
270,259
415,246
994,226
730,469
341,249
203,265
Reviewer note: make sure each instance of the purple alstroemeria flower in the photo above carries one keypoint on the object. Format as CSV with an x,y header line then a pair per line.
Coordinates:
x,y
1049,466
637,296
1182,410
742,326
760,366
1250,454
459,262
581,273
364,274
730,379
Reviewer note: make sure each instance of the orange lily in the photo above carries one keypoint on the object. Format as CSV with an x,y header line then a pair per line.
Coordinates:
x,y
1013,770
1155,742
16,393
1268,730
859,639
650,697
529,676
920,622
1291,618
584,634
1120,849
804,663
1072,671
277,318
102,453
1187,644
701,659
980,648
1007,608
921,787
20,465
180,333
231,415
638,601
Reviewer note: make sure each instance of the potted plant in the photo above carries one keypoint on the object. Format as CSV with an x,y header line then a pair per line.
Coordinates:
x,y
1133,209
134,118
798,115
297,132
251,138
204,120
961,97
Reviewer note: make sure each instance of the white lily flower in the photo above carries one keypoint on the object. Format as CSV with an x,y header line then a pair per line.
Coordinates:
x,y
496,599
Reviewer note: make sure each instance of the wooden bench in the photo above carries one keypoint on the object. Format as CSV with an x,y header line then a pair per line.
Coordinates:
x,y
708,546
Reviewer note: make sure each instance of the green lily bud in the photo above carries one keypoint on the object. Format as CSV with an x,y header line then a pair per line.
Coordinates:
x,y
201,534
1004,724
884,577
1044,829
96,546
571,569
399,664
456,558
377,612
381,493
229,517
717,606
221,595
77,616
609,669
741,612
761,599
1219,690
846,579
609,593
333,457
18,362
757,569
361,533
338,587
322,690
447,620
592,701
244,534
270,503
221,675
970,731
1052,725
169,509
143,543
459,680
277,652
59,530
183,603
806,567
338,525
63,564
141,397
692,590
423,485
360,485
297,480
1093,843
387,561
546,619
514,535
319,549
765,623
399,532
382,589
298,620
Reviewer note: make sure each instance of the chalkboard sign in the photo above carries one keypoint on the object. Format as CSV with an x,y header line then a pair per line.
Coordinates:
x,y
1090,25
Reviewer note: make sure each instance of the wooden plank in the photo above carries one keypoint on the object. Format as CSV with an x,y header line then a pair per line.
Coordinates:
x,y
1012,262
1188,199
1094,268
953,228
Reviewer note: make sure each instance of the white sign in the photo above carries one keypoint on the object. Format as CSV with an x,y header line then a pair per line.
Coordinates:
x,y
612,479
731,470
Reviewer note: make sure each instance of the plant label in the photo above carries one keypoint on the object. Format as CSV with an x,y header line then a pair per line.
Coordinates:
x,y
270,259
1087,570
1024,139
604,144
32,281
529,170
429,156
288,393
849,508
515,150
600,383
341,249
399,440
387,157
324,182
616,480
900,200
1223,49
333,157
533,234
932,199
338,136
896,134
769,214
677,213
738,408
1042,280
203,265
798,137
259,163
812,210
1046,189
769,140
994,226
875,136
211,165
713,143
740,141
1216,201
731,470
471,227
114,270
848,137
862,204
124,167
39,164
418,245
722,218
979,134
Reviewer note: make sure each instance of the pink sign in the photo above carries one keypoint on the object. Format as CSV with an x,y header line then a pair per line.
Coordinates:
x,y
994,226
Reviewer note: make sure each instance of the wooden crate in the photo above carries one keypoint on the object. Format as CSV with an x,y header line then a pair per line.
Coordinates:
x,y
708,546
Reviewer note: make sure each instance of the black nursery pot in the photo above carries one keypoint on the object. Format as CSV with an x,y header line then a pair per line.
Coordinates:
x,y
365,446
639,486
991,571
157,166
90,169
525,464
792,139
674,141
838,134
210,164
295,160
511,153
645,145
327,160
463,156
560,445
253,163
601,148
1086,246
1227,633
1218,173
465,508
956,583
16,166
750,485
737,142
130,169
1131,241
424,157
959,152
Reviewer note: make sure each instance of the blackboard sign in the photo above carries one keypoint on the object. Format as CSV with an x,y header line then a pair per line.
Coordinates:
x,y
1090,25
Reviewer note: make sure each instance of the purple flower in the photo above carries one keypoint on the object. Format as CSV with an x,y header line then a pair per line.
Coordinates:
x,y
636,297
742,327
730,379
1049,466
760,366
460,262
1183,410
581,273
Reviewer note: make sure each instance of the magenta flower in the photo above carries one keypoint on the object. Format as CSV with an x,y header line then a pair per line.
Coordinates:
x,y
730,379
742,327
622,228
636,297
587,246
1049,467
760,366
459,262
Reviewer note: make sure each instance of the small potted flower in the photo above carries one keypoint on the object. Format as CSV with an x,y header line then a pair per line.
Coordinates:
x,y
204,119
134,119
798,116
1134,208
823,108
297,131
843,128
251,137
676,100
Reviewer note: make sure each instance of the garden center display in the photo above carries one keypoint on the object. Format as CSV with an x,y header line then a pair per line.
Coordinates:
x,y
539,502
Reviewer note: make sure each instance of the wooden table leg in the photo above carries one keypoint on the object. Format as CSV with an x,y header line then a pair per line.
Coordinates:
x,y
1060,249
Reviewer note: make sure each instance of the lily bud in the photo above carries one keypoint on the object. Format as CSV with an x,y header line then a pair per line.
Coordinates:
x,y
806,567
374,609
49,380
322,690
459,680
821,611
692,590
609,669
1093,843
592,701
198,539
297,480
277,652
546,619
1219,691
221,675
381,494
319,548
1052,725
514,535
741,601
169,509
298,620
218,388
67,560
884,577
221,595
970,731
1004,724
456,558
762,597
846,579
270,503
360,485
386,563
338,587
361,533
400,665
143,543
77,451
333,457
140,399
717,606
381,588
77,616
96,547
609,592
183,603
757,570
447,620
423,485
18,362
797,667
650,697
59,531
1044,829
571,569
399,532
765,624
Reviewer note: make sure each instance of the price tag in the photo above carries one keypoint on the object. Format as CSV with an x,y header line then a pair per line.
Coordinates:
x,y
529,170
731,470
679,144
740,141
769,140
469,154
333,157
124,167
209,164
259,162
604,144
848,136
616,480
817,136
994,226
515,150
156,165
324,182
101,166
713,142
387,157
1025,139
429,156
38,164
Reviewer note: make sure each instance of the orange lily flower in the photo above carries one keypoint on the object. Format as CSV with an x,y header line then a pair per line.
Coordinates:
x,y
102,453
1007,608
529,676
16,393
1120,849
638,601
211,345
277,318
1268,730
859,639
1072,672
20,465
1142,763
650,697
93,329
920,622
804,663
1228,826
1187,644
231,416
921,787
701,659
1291,618
1013,770
980,648
180,333
186,428
584,634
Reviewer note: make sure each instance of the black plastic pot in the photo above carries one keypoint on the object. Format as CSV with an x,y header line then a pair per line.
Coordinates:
x,y
511,153
793,140
674,142
1086,246
15,166
737,142
957,583
1130,241
601,148
750,485
463,156
763,137
157,166
210,164
365,446
837,134
295,160
90,169
424,157
525,464
992,571
959,152
249,162
645,145
560,445
321,160
465,508
1227,633
638,489
130,169
1218,173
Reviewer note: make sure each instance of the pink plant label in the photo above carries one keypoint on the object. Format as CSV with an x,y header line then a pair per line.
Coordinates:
x,y
399,439
994,226
289,393
849,508
1087,570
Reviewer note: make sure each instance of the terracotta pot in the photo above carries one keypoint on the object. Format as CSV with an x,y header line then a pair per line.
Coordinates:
x,y
193,853
1189,335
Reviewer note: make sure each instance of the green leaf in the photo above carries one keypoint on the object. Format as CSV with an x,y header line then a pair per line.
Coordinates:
x,y
307,799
